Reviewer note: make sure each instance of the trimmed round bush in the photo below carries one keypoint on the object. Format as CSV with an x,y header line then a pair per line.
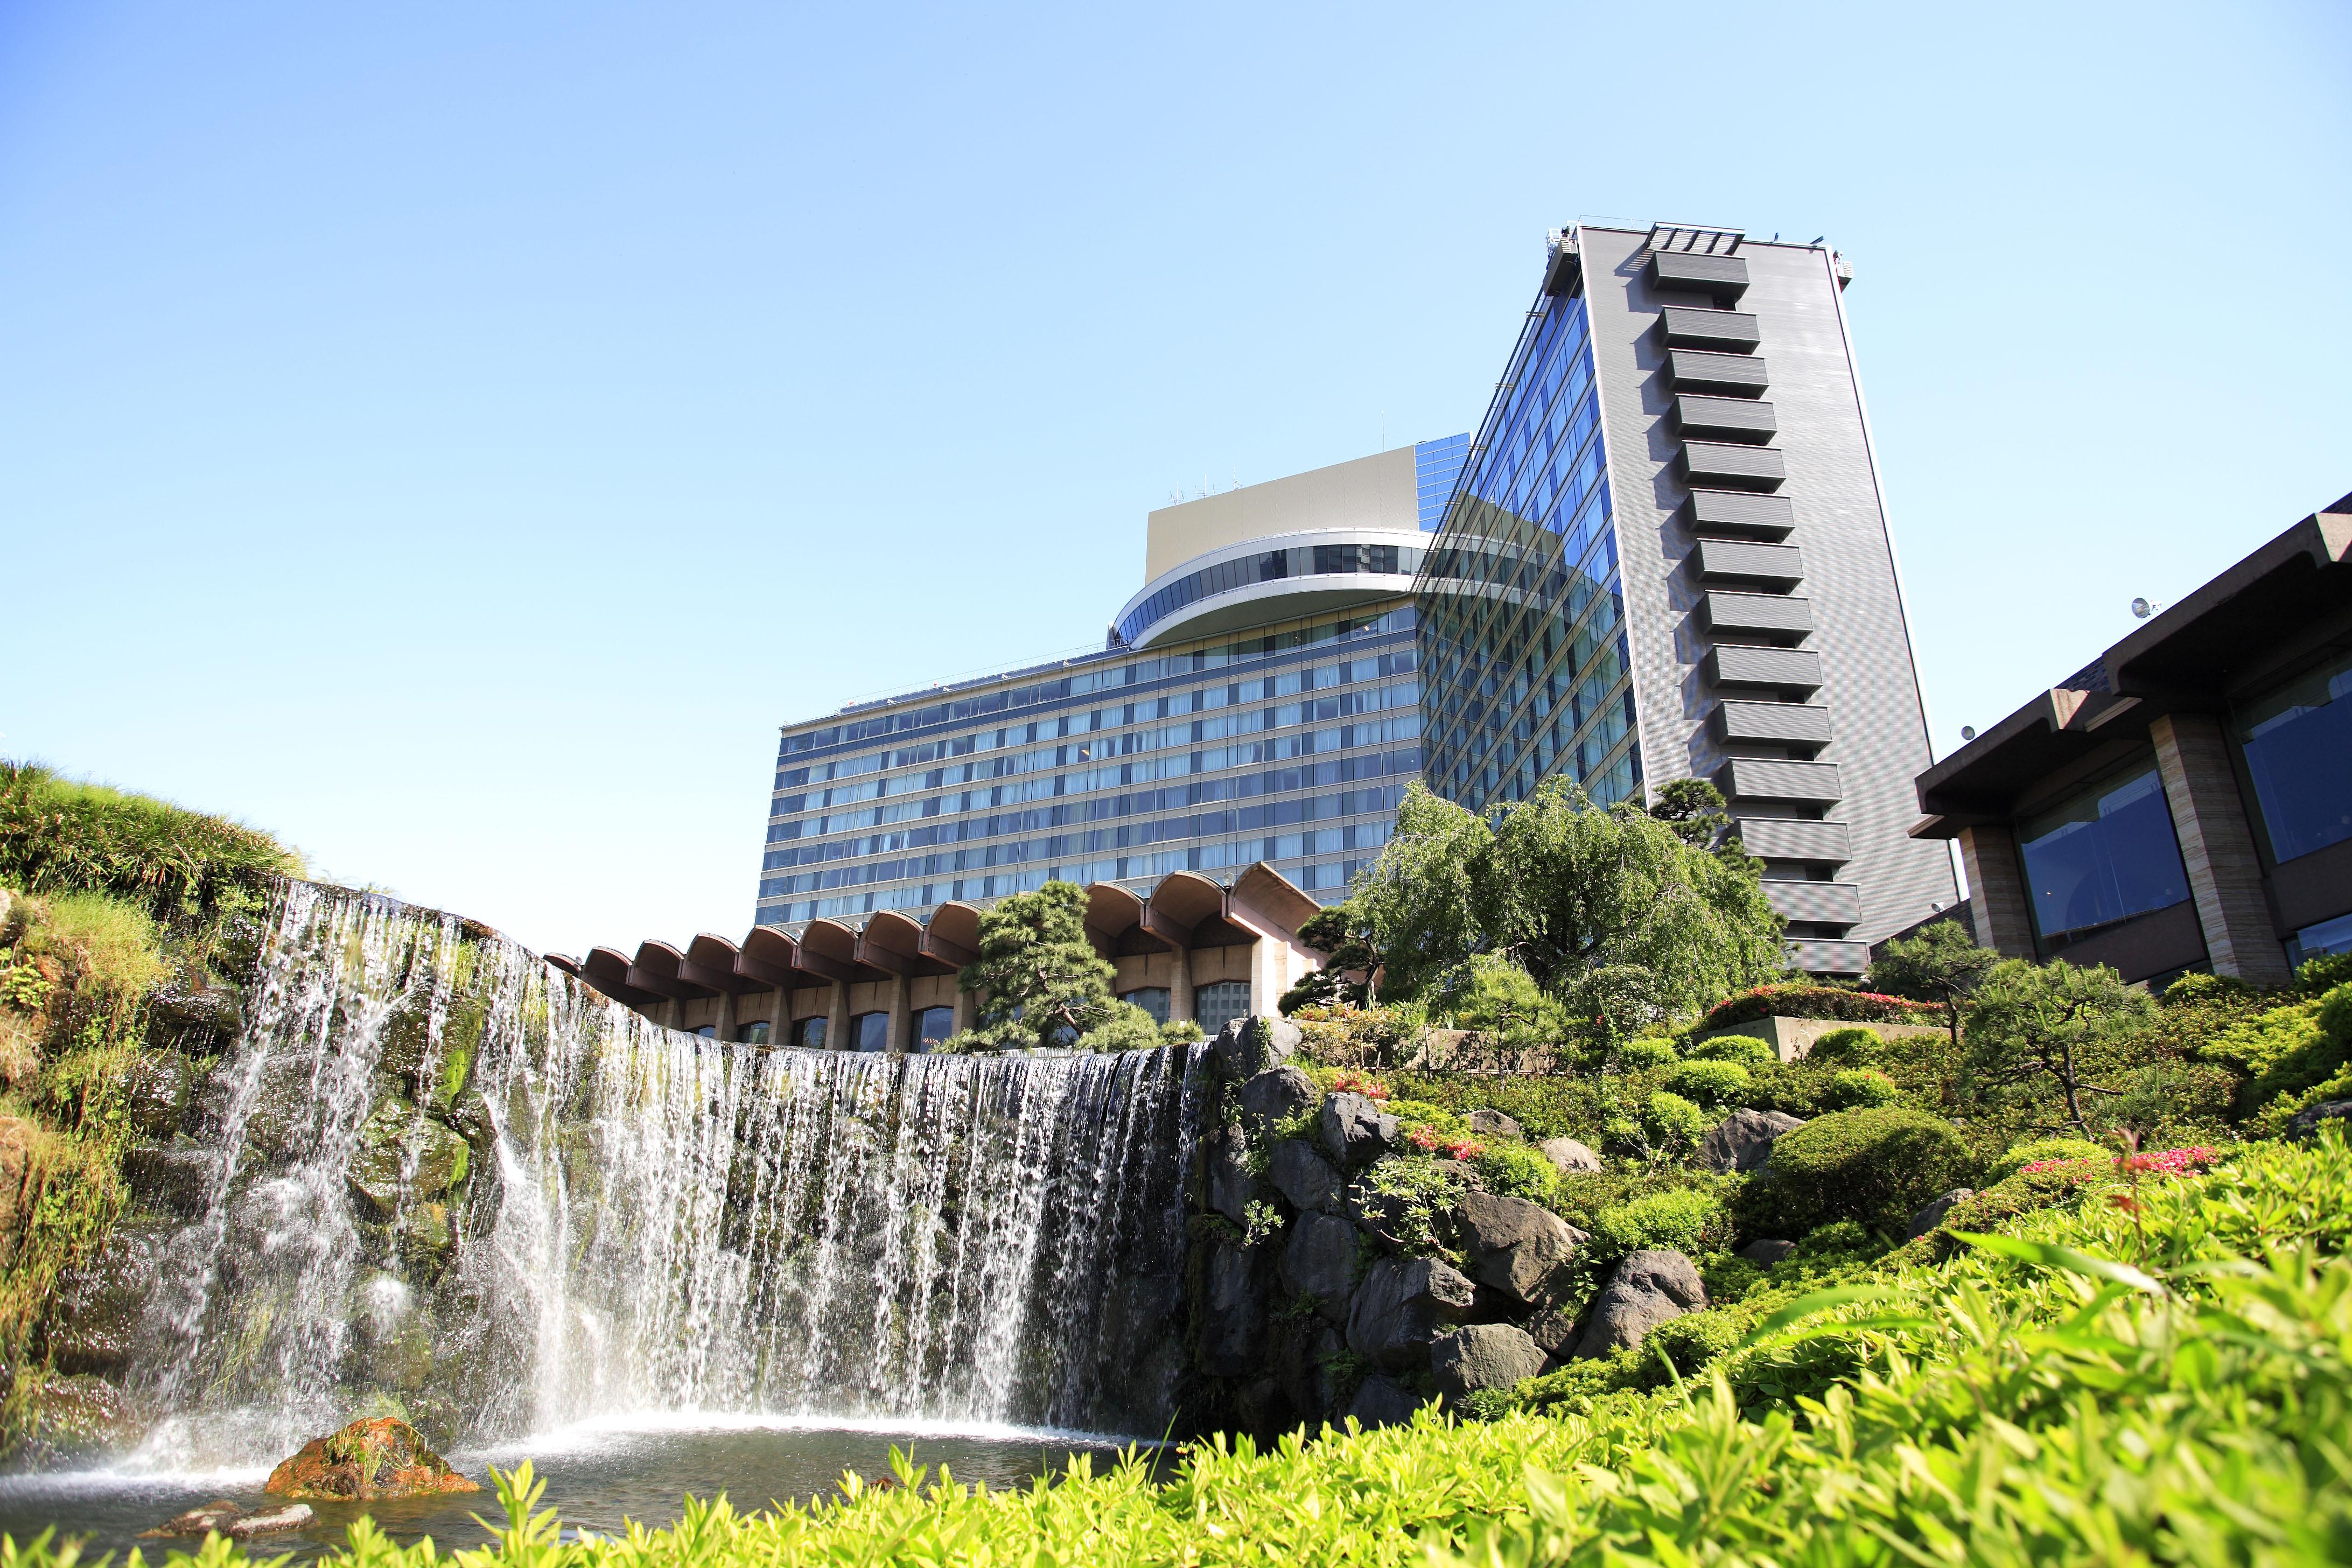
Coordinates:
x,y
1874,1167
1856,1087
1746,1050
1856,1046
1688,1219
1709,1082
1674,1122
2034,1151
2192,989
1516,1170
1636,1055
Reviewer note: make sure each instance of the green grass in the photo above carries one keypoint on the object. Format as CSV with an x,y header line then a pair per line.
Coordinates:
x,y
58,836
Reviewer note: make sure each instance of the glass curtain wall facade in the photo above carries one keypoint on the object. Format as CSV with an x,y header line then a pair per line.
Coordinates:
x,y
1290,744
1527,666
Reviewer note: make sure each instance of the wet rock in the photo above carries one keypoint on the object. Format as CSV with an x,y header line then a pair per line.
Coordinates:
x,y
155,1092
1302,1175
277,1521
2303,1126
98,1308
1554,1333
1232,1315
68,1418
1484,1355
1382,1402
1277,1094
1931,1214
470,1118
1515,1245
1400,1307
1569,1157
175,1181
1356,1129
393,1136
1320,1261
1647,1288
426,1236
1230,1182
1744,1141
378,1458
199,1017
281,1115
213,1516
1766,1253
1494,1124
1247,1046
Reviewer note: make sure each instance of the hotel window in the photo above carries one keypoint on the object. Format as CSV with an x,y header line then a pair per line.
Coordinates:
x,y
2102,857
809,1033
2298,744
1219,1005
1152,999
752,1034
932,1025
870,1032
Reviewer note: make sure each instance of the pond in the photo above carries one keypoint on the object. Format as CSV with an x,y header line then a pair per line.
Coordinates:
x,y
598,1475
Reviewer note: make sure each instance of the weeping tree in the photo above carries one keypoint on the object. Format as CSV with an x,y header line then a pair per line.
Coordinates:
x,y
1623,915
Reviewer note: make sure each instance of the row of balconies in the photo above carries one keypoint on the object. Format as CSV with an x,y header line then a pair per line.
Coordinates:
x,y
1741,558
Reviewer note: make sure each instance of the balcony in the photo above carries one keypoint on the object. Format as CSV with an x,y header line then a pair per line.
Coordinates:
x,y
1722,466
1795,671
1723,278
1817,956
1688,327
1817,903
1789,838
1735,561
1773,615
1730,375
1744,419
1801,726
1789,783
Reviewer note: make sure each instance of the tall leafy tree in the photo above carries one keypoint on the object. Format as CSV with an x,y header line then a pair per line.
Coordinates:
x,y
2040,1036
1943,965
1040,981
1574,893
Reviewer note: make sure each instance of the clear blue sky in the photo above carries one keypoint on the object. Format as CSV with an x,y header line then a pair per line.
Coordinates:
x,y
455,437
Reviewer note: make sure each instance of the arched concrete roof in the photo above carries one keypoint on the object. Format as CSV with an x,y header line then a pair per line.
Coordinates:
x,y
1180,902
893,943
1111,912
838,942
710,961
655,969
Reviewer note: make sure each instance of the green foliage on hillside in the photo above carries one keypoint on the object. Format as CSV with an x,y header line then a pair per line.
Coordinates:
x,y
58,836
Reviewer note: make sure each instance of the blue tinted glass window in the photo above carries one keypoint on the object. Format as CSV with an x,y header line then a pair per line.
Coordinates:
x,y
1152,1000
870,1032
931,1026
809,1033
2105,856
1214,1006
2298,745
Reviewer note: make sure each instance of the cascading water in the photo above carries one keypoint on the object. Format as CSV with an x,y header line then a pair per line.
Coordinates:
x,y
440,1173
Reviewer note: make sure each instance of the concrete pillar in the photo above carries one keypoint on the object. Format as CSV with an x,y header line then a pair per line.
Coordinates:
x,y
967,1003
726,1030
780,1019
837,1018
673,1014
900,990
1182,1008
2217,846
1997,889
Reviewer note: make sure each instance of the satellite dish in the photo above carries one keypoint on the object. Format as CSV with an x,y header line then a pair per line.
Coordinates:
x,y
2142,609
1968,732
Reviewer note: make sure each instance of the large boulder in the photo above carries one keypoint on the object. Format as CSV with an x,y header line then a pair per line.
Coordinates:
x,y
366,1460
78,1417
1232,1315
98,1308
1647,1288
1569,1157
1931,1214
1484,1355
1230,1182
2303,1126
402,1153
1554,1333
1302,1175
1493,1124
1400,1307
174,1180
1275,1095
1515,1245
1358,1130
1320,1260
1382,1402
1247,1047
1765,1252
155,1092
1744,1141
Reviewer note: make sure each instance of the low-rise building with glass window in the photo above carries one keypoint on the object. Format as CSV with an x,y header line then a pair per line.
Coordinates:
x,y
1667,556
2183,801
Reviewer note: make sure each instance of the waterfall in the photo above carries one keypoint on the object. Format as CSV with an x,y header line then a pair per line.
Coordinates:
x,y
445,1176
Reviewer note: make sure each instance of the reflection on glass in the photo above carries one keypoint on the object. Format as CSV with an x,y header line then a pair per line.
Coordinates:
x,y
752,1034
2327,936
2103,856
1152,999
809,1033
932,1025
707,1032
1216,1006
870,1032
2299,750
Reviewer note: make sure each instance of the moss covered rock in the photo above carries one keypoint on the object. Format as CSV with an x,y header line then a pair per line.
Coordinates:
x,y
397,1143
365,1461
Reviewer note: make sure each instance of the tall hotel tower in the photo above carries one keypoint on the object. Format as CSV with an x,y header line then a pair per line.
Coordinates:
x,y
1667,556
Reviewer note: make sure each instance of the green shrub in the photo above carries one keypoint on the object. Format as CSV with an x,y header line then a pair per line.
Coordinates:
x,y
1856,1089
2289,1048
1694,1339
1875,1166
1807,1001
1638,1055
1515,1170
1673,1124
2192,989
1688,1219
1839,1238
1708,1082
1853,1045
1746,1050
1549,1106
2325,974
2037,1150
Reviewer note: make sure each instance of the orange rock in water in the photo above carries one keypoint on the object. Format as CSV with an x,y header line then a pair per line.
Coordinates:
x,y
365,1461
